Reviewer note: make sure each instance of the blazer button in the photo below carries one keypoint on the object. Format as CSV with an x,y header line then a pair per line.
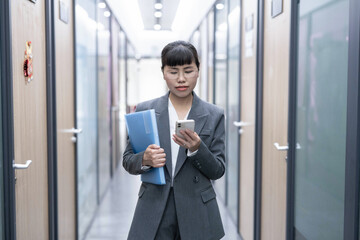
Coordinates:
x,y
196,179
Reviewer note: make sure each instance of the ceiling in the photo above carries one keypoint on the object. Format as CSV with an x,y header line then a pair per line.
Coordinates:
x,y
168,13
179,19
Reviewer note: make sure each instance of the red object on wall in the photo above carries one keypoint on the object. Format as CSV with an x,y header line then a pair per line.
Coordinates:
x,y
28,65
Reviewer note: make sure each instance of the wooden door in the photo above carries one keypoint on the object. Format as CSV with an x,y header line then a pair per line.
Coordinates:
x,y
65,102
275,118
30,121
248,100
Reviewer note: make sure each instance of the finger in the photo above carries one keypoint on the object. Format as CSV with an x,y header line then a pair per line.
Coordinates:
x,y
159,161
178,140
160,156
154,146
153,151
192,135
183,144
186,136
160,150
156,151
159,165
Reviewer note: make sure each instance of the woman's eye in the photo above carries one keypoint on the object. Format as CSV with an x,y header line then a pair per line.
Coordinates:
x,y
173,72
189,71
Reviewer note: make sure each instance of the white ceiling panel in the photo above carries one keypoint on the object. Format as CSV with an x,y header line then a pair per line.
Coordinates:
x,y
180,18
168,11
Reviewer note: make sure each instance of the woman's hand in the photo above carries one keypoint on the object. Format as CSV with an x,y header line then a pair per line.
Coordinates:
x,y
154,156
190,141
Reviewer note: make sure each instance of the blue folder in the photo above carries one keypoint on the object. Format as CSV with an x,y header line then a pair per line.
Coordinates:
x,y
143,131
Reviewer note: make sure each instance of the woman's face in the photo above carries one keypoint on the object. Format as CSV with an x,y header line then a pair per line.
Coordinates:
x,y
181,79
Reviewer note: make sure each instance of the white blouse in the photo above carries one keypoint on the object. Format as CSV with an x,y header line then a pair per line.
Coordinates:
x,y
173,117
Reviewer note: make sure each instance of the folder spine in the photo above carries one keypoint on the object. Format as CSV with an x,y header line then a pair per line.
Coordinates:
x,y
155,128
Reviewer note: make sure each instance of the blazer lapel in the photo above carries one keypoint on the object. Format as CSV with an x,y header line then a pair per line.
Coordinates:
x,y
197,113
162,118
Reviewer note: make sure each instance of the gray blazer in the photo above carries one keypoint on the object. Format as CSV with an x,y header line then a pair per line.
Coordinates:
x,y
195,199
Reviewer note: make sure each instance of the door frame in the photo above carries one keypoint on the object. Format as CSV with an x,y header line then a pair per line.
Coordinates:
x,y
352,175
290,185
352,161
7,120
51,118
73,5
259,118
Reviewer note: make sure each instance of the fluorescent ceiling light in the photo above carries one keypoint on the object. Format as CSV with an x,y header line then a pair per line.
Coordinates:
x,y
219,6
157,14
157,26
102,5
158,6
107,14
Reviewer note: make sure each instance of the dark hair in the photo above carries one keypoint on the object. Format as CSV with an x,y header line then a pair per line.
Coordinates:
x,y
179,53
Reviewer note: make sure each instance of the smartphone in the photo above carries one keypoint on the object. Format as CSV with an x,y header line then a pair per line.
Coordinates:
x,y
184,124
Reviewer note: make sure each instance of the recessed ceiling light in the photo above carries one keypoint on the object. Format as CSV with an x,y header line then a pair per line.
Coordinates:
x,y
102,5
158,14
107,14
219,6
158,6
157,26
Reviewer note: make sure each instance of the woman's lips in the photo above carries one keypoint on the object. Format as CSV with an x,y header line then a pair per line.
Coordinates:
x,y
182,88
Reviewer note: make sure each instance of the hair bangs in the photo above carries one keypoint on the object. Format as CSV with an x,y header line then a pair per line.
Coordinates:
x,y
179,55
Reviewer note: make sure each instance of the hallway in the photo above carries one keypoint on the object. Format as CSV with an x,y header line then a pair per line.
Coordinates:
x,y
114,216
285,74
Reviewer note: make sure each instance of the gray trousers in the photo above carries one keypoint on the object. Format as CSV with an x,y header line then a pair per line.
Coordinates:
x,y
169,227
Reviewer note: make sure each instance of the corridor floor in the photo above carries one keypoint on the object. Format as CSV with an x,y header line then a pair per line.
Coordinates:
x,y
115,213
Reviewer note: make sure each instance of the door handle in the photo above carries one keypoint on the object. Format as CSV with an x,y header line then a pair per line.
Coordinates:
x,y
22,166
241,124
72,130
285,148
281,148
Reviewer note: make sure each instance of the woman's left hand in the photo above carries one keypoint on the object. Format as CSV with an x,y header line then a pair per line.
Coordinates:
x,y
190,141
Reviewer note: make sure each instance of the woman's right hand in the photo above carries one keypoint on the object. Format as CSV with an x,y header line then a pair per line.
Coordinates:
x,y
154,156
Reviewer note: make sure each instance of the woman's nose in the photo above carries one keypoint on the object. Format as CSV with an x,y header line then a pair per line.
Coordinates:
x,y
181,77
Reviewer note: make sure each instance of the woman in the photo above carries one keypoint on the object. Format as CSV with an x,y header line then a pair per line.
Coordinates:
x,y
186,207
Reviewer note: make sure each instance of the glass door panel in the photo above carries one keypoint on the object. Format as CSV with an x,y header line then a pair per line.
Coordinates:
x,y
104,98
233,108
122,75
221,71
210,59
86,113
321,119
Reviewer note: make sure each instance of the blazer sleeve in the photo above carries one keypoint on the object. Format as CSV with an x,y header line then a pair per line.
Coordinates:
x,y
210,160
132,162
